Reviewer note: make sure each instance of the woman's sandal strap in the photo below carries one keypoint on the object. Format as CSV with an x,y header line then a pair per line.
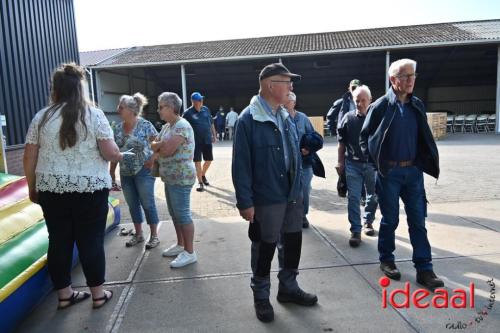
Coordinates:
x,y
104,298
76,297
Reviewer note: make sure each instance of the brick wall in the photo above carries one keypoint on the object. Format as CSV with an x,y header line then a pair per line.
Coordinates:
x,y
14,156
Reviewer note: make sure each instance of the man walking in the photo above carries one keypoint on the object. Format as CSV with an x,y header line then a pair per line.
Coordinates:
x,y
231,118
201,121
356,166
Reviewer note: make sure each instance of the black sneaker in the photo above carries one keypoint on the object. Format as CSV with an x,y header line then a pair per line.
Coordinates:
x,y
263,310
205,181
299,297
200,188
355,239
390,270
369,231
305,223
429,280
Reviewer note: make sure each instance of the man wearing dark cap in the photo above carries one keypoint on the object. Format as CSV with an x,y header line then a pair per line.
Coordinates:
x,y
201,121
266,171
341,106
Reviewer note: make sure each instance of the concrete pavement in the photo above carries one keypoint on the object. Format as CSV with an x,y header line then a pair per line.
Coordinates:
x,y
213,295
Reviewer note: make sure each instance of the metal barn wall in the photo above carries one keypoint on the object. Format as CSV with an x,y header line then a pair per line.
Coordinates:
x,y
35,37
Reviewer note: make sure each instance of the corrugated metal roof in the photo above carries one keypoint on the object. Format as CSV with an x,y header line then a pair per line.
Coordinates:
x,y
92,58
380,38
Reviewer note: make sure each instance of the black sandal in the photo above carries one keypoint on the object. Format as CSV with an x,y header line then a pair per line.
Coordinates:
x,y
104,298
75,298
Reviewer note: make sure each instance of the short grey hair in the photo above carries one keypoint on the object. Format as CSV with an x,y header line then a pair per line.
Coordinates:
x,y
360,89
396,66
172,100
292,96
134,103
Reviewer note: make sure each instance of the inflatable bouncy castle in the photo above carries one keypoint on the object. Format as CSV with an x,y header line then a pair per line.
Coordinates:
x,y
24,279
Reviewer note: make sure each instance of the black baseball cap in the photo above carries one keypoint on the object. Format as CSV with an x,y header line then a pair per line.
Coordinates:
x,y
277,69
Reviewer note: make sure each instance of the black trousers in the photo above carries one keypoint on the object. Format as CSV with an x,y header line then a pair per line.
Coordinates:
x,y
75,218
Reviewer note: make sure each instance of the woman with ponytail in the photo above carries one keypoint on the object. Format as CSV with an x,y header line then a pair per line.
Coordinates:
x,y
68,146
134,134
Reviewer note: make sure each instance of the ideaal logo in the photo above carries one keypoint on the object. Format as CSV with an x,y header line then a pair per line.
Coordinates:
x,y
441,299
460,299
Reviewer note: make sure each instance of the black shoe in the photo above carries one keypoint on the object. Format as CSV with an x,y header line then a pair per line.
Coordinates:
x,y
305,223
429,280
355,239
205,181
390,270
200,188
369,231
299,297
263,310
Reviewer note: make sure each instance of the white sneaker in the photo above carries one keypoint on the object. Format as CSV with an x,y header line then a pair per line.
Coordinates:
x,y
173,250
183,259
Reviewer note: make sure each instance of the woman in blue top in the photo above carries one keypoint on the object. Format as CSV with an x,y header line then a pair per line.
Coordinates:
x,y
134,134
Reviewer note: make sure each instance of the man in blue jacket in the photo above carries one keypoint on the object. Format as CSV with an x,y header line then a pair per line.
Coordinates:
x,y
397,138
266,171
341,106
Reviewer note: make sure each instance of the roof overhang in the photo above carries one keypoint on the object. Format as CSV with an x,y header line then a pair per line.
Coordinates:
x,y
297,54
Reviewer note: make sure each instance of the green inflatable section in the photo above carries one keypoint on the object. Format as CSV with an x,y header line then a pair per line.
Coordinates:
x,y
22,251
4,178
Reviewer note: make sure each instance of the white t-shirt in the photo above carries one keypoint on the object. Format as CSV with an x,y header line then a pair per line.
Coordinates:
x,y
80,168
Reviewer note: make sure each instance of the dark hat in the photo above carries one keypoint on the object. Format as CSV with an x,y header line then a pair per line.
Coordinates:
x,y
277,69
355,82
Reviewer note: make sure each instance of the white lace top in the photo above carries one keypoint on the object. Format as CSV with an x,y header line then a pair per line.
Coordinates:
x,y
80,168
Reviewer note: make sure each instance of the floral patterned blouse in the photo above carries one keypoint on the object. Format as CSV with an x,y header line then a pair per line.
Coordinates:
x,y
138,141
178,169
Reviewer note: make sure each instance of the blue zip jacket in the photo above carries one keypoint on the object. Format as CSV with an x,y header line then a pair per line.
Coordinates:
x,y
377,122
258,167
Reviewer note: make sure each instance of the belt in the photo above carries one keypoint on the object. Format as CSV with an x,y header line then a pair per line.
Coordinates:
x,y
402,164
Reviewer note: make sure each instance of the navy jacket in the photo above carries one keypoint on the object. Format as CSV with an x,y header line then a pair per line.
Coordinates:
x,y
313,142
377,122
258,167
339,108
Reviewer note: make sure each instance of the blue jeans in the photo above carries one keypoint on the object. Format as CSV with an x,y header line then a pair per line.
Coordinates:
x,y
407,183
307,175
357,174
179,203
139,191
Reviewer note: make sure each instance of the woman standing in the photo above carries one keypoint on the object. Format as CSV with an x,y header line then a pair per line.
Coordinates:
x,y
65,160
177,170
134,134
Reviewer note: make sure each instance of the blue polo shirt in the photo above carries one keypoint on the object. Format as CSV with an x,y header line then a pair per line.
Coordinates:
x,y
201,122
401,139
